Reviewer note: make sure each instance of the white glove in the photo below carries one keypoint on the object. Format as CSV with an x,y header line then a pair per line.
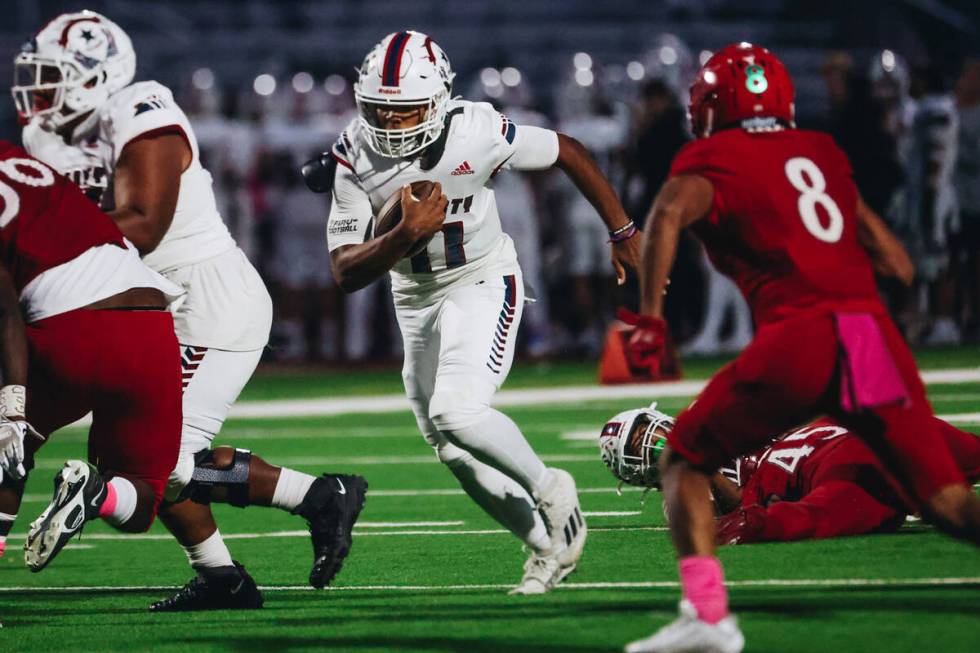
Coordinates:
x,y
12,448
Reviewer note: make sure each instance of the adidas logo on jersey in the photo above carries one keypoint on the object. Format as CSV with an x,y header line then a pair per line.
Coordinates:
x,y
463,169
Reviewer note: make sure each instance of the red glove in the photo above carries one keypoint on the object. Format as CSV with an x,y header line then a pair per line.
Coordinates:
x,y
742,525
647,343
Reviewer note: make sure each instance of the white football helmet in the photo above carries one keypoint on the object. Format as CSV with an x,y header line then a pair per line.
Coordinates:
x,y
630,444
71,66
406,70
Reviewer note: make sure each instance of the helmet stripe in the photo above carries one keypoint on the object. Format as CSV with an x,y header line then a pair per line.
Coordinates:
x,y
63,39
393,59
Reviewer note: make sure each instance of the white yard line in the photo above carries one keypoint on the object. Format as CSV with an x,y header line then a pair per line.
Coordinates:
x,y
374,494
627,585
961,418
505,398
613,513
356,461
142,537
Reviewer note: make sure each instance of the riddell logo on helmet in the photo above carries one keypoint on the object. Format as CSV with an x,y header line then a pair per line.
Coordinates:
x,y
389,91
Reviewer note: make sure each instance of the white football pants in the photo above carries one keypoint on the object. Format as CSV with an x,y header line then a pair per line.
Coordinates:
x,y
213,379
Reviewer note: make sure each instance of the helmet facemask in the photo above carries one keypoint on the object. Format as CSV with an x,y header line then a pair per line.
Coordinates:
x,y
634,453
55,90
402,142
70,68
407,72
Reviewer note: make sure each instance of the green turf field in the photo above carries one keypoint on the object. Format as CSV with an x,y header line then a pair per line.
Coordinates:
x,y
429,572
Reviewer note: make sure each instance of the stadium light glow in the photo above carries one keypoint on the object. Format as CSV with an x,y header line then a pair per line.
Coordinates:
x,y
264,84
635,71
203,79
584,77
888,60
302,82
335,84
704,56
582,61
510,76
668,55
490,77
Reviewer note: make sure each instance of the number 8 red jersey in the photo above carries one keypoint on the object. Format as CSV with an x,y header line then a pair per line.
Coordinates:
x,y
782,223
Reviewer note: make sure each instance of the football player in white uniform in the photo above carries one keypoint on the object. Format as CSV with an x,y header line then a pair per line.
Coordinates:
x,y
74,90
459,300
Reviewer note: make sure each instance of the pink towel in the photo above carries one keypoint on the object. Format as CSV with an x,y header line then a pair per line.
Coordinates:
x,y
869,377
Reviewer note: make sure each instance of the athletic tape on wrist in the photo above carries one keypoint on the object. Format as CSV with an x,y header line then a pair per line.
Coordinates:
x,y
13,401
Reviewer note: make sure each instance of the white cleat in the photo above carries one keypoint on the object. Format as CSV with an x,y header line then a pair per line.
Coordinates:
x,y
688,634
541,574
78,494
559,507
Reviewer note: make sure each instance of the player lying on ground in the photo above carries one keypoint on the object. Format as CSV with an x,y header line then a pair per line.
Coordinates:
x,y
777,210
86,118
813,482
459,300
99,339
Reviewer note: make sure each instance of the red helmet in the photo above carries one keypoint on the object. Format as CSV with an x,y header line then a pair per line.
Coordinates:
x,y
741,84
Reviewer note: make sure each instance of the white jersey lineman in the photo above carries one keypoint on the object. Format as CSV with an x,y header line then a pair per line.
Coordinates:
x,y
223,320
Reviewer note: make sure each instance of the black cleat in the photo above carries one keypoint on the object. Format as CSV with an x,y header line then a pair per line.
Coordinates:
x,y
223,588
331,507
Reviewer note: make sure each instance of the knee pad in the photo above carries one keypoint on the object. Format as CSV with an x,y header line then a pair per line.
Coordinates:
x,y
206,476
453,411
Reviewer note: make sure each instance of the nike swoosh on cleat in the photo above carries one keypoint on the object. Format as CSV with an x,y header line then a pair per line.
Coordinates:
x,y
343,490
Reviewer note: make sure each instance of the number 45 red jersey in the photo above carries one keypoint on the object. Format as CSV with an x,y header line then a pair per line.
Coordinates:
x,y
45,220
783,221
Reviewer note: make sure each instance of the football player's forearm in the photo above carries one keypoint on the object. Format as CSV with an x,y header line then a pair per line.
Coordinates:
x,y
886,251
13,337
582,169
659,247
356,266
727,495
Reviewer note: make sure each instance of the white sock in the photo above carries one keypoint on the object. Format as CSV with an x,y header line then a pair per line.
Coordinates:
x,y
210,553
291,488
125,501
497,441
502,498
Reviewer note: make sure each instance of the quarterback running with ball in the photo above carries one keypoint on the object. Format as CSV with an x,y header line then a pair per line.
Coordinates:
x,y
459,300
86,118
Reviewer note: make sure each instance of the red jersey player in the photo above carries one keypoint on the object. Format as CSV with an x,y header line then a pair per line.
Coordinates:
x,y
778,211
812,482
822,481
97,338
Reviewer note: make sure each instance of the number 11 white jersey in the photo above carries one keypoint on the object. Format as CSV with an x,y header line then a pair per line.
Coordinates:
x,y
476,143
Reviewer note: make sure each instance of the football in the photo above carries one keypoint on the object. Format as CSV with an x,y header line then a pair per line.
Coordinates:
x,y
391,214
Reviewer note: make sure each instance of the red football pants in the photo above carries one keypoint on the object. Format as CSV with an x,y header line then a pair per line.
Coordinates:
x,y
789,375
124,367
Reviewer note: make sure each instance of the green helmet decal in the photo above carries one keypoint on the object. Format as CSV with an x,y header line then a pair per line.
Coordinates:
x,y
755,79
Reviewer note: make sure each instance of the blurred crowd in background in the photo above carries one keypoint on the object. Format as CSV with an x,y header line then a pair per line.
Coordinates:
x,y
908,117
